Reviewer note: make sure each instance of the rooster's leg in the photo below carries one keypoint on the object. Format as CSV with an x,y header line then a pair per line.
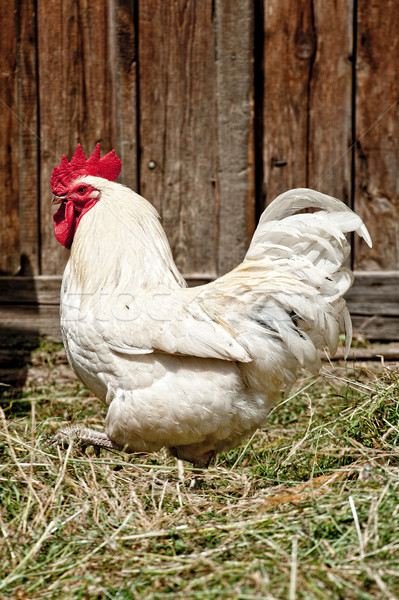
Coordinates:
x,y
202,462
83,436
199,461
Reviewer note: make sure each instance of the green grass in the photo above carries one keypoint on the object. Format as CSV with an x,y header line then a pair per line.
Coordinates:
x,y
307,509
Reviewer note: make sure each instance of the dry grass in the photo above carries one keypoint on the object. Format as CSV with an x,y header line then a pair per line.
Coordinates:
x,y
308,509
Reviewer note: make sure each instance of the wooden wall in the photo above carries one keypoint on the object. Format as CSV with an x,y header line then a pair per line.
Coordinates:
x,y
214,107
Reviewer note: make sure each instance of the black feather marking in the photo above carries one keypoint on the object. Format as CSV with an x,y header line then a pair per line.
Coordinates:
x,y
294,318
267,324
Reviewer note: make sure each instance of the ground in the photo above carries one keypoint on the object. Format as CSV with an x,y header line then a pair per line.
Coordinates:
x,y
307,509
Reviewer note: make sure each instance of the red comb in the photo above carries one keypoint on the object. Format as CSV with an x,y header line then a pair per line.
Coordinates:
x,y
108,167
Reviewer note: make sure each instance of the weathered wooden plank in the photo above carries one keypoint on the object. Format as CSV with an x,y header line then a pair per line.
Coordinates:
x,y
289,49
30,290
126,54
45,289
28,320
28,138
56,124
177,126
330,100
373,302
374,293
77,95
58,85
387,351
377,133
9,155
45,320
234,41
371,293
376,327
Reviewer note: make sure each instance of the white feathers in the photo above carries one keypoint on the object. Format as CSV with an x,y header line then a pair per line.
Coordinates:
x,y
291,280
202,364
292,201
311,249
129,350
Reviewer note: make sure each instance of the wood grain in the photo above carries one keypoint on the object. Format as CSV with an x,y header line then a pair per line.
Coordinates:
x,y
330,100
27,320
177,126
77,93
376,327
125,51
377,133
374,292
42,289
44,320
308,96
377,352
29,197
9,154
176,99
373,303
235,180
289,49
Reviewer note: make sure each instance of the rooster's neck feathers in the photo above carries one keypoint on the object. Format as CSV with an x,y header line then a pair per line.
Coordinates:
x,y
121,244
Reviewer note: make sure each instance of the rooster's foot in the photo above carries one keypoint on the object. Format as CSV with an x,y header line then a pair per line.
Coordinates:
x,y
83,437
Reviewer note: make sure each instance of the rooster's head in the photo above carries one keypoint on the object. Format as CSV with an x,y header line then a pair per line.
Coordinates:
x,y
76,196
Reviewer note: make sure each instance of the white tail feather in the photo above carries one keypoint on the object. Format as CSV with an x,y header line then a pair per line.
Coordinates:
x,y
310,250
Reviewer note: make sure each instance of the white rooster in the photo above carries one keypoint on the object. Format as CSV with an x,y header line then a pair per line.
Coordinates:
x,y
195,370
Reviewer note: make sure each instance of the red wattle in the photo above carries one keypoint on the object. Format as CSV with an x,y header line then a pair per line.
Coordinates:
x,y
70,213
66,220
65,223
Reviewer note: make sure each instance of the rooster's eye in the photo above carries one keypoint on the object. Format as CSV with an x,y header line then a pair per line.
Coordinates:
x,y
81,190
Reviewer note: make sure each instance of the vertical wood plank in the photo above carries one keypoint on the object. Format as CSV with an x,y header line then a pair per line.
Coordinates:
x,y
330,100
57,125
9,125
234,28
77,96
177,126
125,42
289,49
28,138
377,133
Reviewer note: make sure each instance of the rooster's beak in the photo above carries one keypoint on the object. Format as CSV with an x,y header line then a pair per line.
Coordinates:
x,y
58,200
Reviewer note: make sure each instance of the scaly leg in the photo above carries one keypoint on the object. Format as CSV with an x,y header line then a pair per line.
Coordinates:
x,y
83,436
